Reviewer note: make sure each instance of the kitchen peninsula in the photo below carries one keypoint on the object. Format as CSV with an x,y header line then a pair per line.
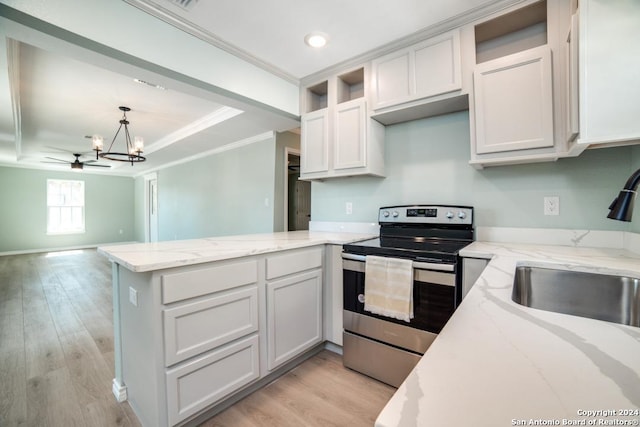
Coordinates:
x,y
197,322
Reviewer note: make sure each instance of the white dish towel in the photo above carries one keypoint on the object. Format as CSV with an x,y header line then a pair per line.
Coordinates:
x,y
388,287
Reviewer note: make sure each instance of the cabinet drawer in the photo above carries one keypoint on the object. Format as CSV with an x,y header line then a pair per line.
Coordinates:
x,y
194,283
200,383
293,262
191,329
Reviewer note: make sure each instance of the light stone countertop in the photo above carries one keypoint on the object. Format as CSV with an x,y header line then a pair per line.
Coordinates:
x,y
140,257
497,363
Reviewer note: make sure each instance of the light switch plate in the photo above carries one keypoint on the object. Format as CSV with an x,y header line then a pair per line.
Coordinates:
x,y
133,296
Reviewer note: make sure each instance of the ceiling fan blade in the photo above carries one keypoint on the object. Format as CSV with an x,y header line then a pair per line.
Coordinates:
x,y
57,160
97,166
63,150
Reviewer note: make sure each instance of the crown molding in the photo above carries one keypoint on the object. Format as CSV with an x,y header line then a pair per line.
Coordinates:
x,y
153,9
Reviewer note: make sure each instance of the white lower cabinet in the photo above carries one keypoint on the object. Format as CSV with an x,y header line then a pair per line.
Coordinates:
x,y
294,316
198,335
195,385
195,327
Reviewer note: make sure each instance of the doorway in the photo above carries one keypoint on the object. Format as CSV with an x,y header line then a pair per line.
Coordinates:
x,y
151,207
297,194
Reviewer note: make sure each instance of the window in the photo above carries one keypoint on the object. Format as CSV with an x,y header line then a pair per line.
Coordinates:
x,y
65,206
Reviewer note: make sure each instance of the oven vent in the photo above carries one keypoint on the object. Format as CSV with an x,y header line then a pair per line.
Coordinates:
x,y
184,4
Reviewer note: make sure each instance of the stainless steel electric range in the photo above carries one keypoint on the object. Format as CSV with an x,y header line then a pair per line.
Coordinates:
x,y
431,237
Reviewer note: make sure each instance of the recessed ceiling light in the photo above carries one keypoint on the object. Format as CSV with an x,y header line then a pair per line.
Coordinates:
x,y
316,39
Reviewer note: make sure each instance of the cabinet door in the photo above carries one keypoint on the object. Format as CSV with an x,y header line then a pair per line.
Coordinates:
x,y
428,68
573,117
437,65
314,143
192,328
513,102
350,135
294,316
392,78
196,384
609,70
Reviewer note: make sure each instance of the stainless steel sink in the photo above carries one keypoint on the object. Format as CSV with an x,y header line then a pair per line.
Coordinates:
x,y
597,296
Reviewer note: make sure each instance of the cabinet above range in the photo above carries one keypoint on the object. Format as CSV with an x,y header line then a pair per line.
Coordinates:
x,y
422,80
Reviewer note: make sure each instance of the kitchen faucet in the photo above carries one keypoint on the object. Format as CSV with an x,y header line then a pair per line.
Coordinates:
x,y
622,206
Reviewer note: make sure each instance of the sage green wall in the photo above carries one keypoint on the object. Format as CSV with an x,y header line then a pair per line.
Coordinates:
x,y
427,162
227,193
23,214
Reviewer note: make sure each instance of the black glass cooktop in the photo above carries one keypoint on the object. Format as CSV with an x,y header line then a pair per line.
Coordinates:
x,y
417,249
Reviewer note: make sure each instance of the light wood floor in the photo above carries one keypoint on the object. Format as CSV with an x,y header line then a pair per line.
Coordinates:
x,y
319,392
56,358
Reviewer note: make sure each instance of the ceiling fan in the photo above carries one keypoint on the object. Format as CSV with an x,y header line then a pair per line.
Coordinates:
x,y
76,164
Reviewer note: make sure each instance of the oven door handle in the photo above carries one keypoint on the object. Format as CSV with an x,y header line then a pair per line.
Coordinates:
x,y
353,257
416,264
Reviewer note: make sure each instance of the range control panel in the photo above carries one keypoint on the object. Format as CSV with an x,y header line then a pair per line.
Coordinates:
x,y
426,214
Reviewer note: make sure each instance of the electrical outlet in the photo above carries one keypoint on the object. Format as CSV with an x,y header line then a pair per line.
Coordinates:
x,y
348,208
133,296
552,205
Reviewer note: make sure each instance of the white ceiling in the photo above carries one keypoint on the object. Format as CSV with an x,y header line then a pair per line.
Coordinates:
x,y
62,100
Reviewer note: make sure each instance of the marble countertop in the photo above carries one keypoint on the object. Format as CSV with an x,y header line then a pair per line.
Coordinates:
x,y
497,363
140,257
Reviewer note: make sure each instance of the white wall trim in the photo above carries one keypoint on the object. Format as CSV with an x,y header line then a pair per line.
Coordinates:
x,y
147,204
13,71
119,391
287,151
64,248
171,18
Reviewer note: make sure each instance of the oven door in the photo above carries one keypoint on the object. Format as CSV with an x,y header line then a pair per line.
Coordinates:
x,y
434,301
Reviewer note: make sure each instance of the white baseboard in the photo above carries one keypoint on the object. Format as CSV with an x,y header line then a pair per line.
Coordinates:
x,y
119,391
65,248
328,345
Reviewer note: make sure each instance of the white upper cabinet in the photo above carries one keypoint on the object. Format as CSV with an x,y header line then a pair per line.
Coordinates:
x,y
314,142
517,108
350,148
513,102
609,72
418,72
338,138
572,89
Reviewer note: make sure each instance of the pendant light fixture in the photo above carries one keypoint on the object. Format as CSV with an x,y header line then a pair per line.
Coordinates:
x,y
133,149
